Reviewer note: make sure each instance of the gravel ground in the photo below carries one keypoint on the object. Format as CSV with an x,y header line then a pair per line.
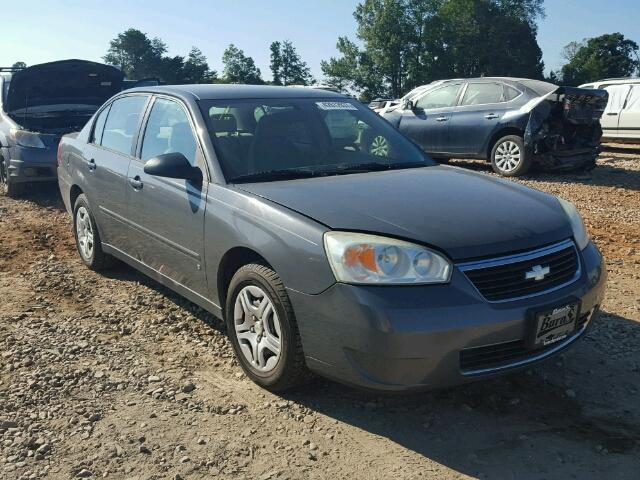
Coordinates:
x,y
114,376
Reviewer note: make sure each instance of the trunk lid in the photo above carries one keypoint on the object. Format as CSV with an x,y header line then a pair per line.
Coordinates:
x,y
48,86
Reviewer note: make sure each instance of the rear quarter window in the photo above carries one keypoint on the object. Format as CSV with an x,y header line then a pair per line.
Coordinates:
x,y
98,127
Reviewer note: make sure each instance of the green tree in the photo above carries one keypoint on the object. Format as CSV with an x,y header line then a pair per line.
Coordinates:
x,y
276,62
353,70
238,68
474,31
287,67
606,56
19,65
196,69
136,54
410,42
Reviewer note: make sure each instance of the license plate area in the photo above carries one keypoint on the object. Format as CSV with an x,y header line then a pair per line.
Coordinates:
x,y
553,324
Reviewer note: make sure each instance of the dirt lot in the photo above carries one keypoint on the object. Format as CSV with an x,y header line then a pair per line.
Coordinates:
x,y
114,376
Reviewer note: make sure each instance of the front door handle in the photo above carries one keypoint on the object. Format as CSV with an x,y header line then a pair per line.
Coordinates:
x,y
612,113
92,165
442,119
491,116
135,183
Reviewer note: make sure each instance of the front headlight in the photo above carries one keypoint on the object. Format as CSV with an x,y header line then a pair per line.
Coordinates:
x,y
361,258
577,225
24,138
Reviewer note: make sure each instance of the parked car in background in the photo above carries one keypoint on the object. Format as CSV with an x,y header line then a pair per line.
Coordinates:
x,y
621,118
511,122
279,210
378,104
38,105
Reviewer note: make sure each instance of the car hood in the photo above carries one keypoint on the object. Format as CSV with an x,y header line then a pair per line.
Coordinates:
x,y
465,214
66,82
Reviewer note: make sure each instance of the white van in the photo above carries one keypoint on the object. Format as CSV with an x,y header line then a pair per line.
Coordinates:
x,y
621,118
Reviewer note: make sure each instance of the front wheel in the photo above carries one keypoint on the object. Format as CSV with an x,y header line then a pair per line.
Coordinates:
x,y
509,157
263,329
7,187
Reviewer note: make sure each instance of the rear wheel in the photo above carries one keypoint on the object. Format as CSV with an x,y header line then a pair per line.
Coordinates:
x,y
509,157
263,329
87,237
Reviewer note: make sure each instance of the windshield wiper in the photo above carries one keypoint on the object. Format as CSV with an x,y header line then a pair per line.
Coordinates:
x,y
374,167
266,175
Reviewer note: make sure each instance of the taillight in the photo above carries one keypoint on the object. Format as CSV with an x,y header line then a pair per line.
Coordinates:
x,y
59,154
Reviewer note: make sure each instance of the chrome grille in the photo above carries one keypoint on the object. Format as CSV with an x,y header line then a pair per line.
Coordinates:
x,y
523,275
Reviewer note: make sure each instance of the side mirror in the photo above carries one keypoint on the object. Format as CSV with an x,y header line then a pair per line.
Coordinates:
x,y
172,165
408,105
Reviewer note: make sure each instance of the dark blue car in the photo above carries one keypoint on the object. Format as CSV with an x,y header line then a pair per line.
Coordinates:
x,y
511,122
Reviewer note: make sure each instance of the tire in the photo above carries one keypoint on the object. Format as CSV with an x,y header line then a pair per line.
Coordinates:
x,y
257,289
87,237
442,160
509,157
8,188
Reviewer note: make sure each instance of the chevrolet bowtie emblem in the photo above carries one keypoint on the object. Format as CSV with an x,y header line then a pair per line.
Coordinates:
x,y
537,273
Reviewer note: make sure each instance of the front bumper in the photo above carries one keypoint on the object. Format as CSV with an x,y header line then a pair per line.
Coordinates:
x,y
27,164
409,338
572,160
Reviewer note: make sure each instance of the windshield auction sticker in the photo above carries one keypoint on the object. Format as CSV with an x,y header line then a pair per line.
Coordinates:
x,y
335,106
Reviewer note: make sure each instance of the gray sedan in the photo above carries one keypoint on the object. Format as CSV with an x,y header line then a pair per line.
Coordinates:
x,y
327,241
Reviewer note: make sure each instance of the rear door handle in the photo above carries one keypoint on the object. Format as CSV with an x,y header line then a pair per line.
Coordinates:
x,y
491,116
135,183
92,164
612,113
442,119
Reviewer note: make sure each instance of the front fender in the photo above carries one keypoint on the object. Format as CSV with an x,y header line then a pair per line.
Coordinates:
x,y
290,242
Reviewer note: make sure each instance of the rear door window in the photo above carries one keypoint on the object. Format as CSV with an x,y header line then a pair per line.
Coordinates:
x,y
168,131
482,94
440,98
122,123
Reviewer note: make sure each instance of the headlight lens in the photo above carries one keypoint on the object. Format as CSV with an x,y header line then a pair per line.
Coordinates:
x,y
25,138
371,259
577,225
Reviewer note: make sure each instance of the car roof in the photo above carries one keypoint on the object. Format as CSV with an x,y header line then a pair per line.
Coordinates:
x,y
224,92
614,81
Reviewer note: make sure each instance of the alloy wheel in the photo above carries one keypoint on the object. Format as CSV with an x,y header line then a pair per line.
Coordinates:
x,y
379,146
84,231
508,156
257,328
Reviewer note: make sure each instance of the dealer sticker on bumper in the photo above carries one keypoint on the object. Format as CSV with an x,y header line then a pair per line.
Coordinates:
x,y
555,325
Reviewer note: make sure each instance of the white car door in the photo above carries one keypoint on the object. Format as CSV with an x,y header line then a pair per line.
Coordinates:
x,y
611,115
629,118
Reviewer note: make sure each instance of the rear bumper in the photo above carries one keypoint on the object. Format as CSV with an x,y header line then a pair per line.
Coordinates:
x,y
31,164
411,338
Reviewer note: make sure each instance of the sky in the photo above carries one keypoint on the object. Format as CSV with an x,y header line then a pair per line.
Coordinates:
x,y
40,31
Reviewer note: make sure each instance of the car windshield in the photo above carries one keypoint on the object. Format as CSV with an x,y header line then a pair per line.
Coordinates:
x,y
270,139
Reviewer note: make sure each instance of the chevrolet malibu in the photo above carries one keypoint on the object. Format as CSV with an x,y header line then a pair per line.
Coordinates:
x,y
326,240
